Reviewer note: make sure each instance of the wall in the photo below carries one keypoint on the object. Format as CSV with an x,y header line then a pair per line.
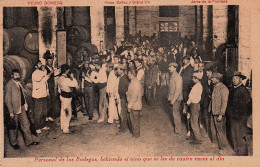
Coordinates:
x,y
148,20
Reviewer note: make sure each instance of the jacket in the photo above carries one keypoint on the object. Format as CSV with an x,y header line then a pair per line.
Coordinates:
x,y
219,99
175,88
13,97
151,76
134,95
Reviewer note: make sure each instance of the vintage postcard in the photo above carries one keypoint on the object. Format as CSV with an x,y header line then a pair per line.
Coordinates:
x,y
129,83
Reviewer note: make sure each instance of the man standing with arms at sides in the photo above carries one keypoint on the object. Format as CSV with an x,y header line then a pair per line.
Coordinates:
x,y
239,109
17,106
40,92
186,72
150,81
51,85
218,106
122,89
134,100
175,95
112,91
101,81
65,84
194,103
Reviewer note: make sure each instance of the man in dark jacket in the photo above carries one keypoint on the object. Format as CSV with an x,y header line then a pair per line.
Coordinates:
x,y
122,89
151,75
239,106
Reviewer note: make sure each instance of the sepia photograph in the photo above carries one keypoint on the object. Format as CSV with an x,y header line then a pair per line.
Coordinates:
x,y
127,83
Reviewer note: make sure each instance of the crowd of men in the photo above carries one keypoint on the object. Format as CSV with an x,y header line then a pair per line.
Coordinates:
x,y
117,82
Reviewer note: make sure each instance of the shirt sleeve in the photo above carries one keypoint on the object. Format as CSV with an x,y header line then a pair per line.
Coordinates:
x,y
140,74
134,95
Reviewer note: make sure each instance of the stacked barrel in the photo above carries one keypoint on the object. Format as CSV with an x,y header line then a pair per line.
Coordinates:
x,y
20,48
78,49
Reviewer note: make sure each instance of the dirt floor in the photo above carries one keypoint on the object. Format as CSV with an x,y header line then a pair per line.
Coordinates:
x,y
90,139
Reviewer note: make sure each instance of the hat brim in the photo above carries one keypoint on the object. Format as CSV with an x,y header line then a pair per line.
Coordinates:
x,y
241,76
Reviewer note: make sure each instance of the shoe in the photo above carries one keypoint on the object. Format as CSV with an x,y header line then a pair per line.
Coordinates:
x,y
188,134
196,142
67,132
90,118
190,139
34,143
110,122
16,147
38,131
46,128
50,119
100,120
221,152
120,132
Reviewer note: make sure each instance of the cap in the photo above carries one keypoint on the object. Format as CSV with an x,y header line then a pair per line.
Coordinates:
x,y
139,60
197,75
110,65
236,73
186,57
173,64
217,75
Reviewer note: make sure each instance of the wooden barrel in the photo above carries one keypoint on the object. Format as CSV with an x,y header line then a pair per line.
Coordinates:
x,y
13,42
33,58
76,35
85,50
71,49
17,62
31,41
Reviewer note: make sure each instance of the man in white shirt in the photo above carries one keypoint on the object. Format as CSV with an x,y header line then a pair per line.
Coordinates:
x,y
194,103
40,92
101,81
65,82
112,91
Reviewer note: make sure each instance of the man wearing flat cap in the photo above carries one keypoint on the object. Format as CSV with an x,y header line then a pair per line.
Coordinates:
x,y
194,103
239,109
217,109
175,96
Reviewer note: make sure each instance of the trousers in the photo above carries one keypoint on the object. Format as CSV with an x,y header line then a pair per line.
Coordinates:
x,y
102,102
89,99
194,119
65,113
40,112
123,115
218,129
176,116
133,119
22,121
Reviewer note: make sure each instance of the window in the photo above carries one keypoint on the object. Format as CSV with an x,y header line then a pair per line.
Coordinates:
x,y
168,11
168,26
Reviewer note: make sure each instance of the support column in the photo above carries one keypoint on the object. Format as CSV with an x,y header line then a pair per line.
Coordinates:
x,y
119,15
244,46
205,27
97,26
47,30
132,21
220,23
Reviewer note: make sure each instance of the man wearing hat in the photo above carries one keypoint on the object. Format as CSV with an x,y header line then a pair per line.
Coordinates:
x,y
239,109
175,95
194,103
150,81
217,109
